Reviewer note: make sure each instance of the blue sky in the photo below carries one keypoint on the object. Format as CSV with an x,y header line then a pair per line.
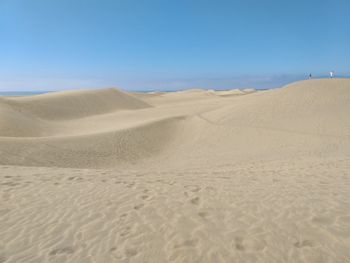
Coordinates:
x,y
170,44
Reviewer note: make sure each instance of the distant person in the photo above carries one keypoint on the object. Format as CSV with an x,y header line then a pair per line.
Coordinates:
x,y
331,74
310,76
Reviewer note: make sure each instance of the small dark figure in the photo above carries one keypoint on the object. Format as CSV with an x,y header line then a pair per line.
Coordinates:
x,y
310,76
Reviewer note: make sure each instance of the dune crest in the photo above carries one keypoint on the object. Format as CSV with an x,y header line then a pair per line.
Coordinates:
x,y
319,107
96,150
40,115
66,105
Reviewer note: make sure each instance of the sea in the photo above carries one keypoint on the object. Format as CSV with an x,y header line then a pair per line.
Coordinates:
x,y
21,93
31,93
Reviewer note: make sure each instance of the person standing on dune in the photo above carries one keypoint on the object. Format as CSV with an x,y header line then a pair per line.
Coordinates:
x,y
331,74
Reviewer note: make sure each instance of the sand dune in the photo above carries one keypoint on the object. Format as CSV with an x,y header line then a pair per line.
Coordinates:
x,y
180,96
233,92
76,104
103,149
15,123
36,116
194,176
318,107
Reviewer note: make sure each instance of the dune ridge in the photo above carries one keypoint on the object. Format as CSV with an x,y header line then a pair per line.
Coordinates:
x,y
35,116
103,149
318,107
76,104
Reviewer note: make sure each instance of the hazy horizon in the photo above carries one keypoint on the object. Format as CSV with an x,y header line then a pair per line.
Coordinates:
x,y
22,92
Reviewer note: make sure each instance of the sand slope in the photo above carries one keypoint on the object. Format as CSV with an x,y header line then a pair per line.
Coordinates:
x,y
15,123
77,104
316,106
196,176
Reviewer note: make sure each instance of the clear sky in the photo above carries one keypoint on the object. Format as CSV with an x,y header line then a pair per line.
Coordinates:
x,y
170,44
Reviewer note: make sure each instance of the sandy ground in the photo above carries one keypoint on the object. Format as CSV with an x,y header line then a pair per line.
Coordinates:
x,y
193,176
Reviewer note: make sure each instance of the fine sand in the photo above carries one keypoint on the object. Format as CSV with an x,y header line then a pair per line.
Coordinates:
x,y
191,176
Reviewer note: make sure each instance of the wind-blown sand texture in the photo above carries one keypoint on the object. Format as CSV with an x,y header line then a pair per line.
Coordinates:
x,y
194,176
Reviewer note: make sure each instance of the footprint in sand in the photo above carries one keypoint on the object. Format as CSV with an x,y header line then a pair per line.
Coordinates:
x,y
187,243
137,207
242,244
144,197
195,200
179,247
239,243
130,185
112,249
303,243
63,250
203,214
192,188
123,215
126,231
130,252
